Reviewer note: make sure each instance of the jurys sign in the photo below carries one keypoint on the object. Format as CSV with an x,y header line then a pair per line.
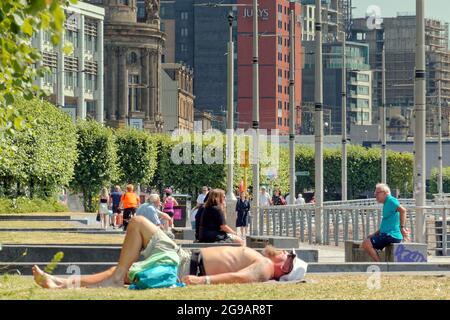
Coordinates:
x,y
262,13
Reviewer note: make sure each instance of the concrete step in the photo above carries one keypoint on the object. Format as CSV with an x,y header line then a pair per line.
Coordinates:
x,y
33,218
276,241
68,230
45,253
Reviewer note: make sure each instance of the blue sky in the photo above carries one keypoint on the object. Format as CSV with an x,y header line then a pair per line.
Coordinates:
x,y
439,9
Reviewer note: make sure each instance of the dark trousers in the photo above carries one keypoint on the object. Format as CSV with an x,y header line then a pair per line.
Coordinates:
x,y
127,215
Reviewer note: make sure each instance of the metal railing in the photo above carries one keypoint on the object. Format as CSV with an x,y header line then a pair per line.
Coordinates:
x,y
351,222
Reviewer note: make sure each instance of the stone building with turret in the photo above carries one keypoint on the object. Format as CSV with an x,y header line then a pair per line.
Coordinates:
x,y
133,51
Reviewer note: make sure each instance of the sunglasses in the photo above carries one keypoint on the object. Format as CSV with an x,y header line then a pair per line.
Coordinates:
x,y
289,263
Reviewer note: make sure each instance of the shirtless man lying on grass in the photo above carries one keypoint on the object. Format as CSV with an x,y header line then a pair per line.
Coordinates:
x,y
205,266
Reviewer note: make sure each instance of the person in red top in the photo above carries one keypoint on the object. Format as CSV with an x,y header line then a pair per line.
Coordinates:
x,y
129,202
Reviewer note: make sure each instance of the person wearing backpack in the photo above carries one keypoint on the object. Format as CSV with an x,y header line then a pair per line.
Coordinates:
x,y
129,202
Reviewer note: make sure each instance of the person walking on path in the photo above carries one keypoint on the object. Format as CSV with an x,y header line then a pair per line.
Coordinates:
x,y
169,202
242,210
277,199
103,208
129,202
393,223
264,197
115,197
300,200
215,265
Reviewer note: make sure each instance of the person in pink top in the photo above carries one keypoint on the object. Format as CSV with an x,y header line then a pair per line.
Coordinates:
x,y
169,202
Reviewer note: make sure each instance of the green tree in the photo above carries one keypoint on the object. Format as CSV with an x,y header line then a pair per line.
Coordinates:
x,y
136,155
42,158
445,180
19,20
97,161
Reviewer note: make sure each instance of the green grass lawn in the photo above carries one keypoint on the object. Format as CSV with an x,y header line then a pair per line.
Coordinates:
x,y
342,287
39,224
59,238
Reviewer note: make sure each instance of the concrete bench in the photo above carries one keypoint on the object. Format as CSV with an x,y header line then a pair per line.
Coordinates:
x,y
184,233
276,241
395,252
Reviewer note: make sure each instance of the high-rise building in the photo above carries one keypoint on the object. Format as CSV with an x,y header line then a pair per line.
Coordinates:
x,y
274,64
333,19
398,34
133,52
197,35
75,80
358,80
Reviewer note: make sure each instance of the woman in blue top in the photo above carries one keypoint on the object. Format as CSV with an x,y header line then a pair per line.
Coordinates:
x,y
393,223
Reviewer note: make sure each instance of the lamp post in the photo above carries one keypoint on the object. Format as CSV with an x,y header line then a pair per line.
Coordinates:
x,y
318,123
420,112
292,115
344,123
231,199
255,116
440,182
383,119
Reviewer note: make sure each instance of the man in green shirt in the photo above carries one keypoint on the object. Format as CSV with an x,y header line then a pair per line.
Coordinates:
x,y
393,223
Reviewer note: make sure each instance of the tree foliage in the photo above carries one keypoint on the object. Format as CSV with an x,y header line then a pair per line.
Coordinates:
x,y
136,156
445,180
19,20
42,157
97,161
364,171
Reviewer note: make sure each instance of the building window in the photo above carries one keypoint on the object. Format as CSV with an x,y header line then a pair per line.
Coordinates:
x,y
90,82
132,58
363,90
280,89
184,32
183,47
123,2
70,79
363,77
133,79
72,37
280,24
184,15
91,109
163,26
90,43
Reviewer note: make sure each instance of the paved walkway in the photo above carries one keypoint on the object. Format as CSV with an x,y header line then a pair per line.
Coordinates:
x,y
333,254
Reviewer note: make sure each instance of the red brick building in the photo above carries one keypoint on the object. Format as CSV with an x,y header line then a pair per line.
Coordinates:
x,y
273,63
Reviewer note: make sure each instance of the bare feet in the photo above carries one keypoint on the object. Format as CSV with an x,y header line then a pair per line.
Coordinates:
x,y
45,280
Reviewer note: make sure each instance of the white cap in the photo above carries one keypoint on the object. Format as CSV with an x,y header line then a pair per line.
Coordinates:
x,y
298,271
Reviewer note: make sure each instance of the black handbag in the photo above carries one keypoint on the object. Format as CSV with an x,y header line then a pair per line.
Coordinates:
x,y
98,217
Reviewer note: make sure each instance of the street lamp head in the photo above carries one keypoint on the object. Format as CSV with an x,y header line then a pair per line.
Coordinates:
x,y
230,17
